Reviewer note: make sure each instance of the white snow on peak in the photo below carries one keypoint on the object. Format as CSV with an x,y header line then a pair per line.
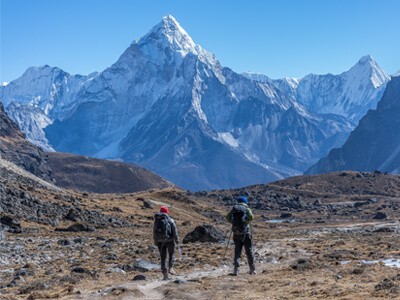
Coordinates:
x,y
292,82
169,34
368,68
4,83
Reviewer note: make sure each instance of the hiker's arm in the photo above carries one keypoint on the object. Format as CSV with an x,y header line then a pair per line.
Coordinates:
x,y
154,235
175,232
250,215
229,217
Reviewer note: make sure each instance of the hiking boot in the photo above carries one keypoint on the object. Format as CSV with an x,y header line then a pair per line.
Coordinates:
x,y
235,271
172,271
165,276
252,271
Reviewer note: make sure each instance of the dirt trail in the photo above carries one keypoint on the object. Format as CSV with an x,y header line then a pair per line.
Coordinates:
x,y
150,289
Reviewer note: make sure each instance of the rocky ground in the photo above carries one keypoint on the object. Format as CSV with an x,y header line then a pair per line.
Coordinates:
x,y
332,236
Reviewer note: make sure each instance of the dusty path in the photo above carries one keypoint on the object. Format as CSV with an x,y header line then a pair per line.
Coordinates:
x,y
150,289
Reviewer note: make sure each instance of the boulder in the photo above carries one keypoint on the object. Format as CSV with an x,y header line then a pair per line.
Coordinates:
x,y
380,216
204,234
148,204
77,227
11,224
139,277
2,235
142,265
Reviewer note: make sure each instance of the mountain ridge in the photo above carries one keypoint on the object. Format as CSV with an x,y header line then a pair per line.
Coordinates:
x,y
254,125
374,144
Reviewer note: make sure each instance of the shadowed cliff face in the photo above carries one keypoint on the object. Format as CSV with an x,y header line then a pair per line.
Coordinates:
x,y
375,143
14,148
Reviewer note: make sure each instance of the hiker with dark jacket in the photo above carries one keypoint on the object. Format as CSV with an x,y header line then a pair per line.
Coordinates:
x,y
240,217
165,235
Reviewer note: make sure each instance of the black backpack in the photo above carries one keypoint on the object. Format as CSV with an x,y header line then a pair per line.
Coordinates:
x,y
238,219
162,228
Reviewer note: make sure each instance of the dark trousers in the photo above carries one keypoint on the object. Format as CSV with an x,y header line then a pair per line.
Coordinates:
x,y
164,248
247,242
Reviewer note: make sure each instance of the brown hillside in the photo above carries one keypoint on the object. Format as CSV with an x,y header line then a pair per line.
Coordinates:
x,y
101,176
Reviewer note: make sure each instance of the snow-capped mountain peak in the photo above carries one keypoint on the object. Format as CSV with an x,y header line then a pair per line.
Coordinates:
x,y
170,35
367,67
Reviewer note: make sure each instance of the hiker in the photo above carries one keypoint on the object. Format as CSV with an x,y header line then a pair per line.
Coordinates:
x,y
165,235
240,217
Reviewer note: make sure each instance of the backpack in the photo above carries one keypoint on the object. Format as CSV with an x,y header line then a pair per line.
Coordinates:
x,y
162,228
238,219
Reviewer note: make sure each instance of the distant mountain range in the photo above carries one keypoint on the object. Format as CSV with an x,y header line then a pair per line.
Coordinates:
x,y
168,105
374,144
350,94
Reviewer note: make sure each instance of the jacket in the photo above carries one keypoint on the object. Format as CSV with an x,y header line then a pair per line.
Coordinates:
x,y
249,217
175,236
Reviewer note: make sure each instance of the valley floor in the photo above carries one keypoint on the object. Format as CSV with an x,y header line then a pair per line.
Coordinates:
x,y
334,236
294,261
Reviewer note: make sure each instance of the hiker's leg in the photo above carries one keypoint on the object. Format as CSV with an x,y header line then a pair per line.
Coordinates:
x,y
248,246
171,252
238,240
163,254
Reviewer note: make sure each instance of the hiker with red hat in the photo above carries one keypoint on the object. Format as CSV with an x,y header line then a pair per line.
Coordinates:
x,y
165,235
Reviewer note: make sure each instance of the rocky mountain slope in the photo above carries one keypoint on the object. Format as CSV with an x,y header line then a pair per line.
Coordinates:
x,y
168,105
375,143
15,148
72,171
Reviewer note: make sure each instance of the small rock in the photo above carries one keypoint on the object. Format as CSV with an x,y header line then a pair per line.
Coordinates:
x,y
142,265
116,270
359,204
286,215
384,229
180,281
380,216
128,267
80,240
139,277
77,227
148,204
79,270
110,256
64,242
301,264
386,284
2,235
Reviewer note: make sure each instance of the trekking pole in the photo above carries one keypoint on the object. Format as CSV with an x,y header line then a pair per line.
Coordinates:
x,y
180,251
227,244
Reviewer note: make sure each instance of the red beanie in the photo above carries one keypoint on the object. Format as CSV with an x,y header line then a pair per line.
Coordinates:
x,y
164,209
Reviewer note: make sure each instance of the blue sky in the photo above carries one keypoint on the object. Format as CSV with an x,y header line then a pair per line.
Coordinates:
x,y
278,38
